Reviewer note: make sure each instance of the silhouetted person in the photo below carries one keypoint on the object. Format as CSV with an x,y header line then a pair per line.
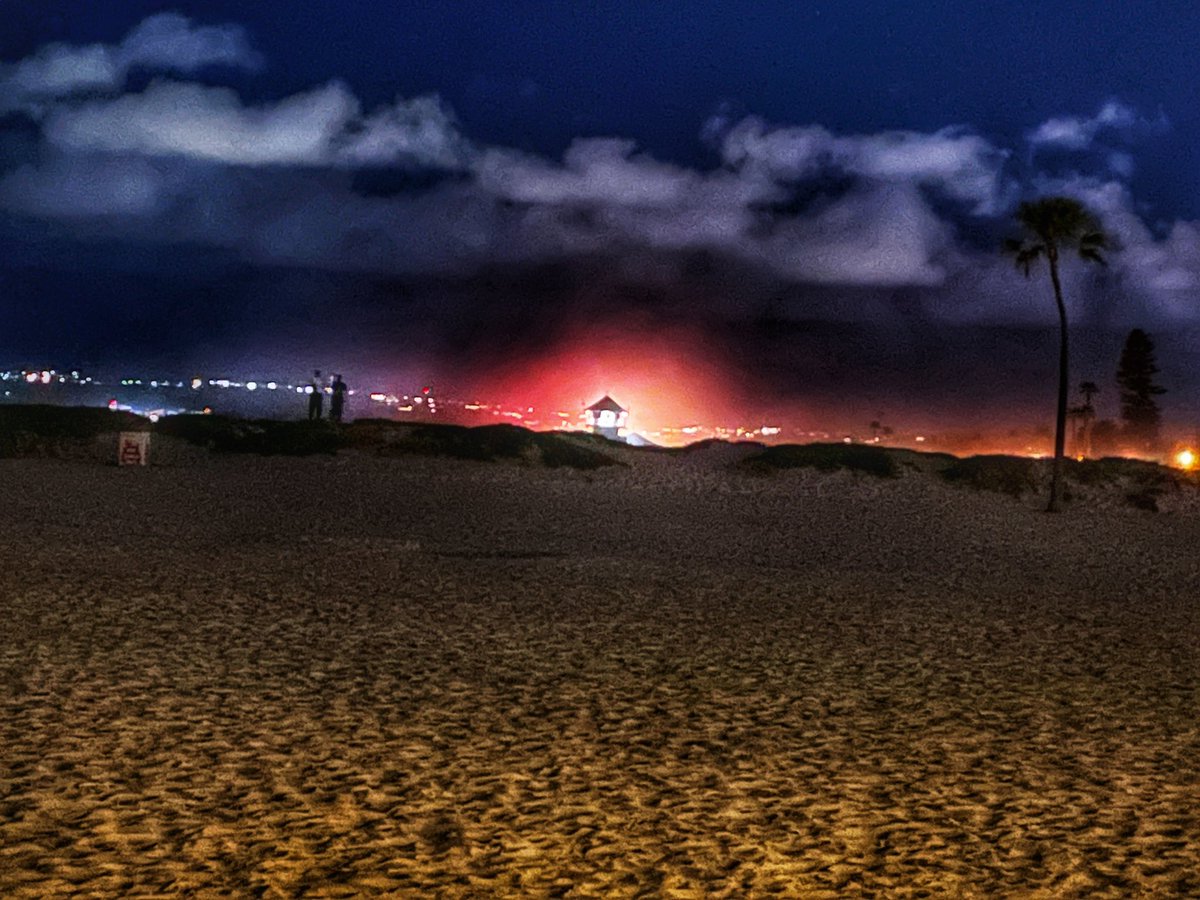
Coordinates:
x,y
337,403
316,399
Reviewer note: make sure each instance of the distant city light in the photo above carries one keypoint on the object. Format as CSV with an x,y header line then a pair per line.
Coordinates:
x,y
424,404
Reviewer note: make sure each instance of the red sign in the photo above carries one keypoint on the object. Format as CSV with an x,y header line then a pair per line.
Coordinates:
x,y
133,448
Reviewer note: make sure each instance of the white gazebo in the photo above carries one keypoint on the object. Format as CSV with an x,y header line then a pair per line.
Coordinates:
x,y
606,417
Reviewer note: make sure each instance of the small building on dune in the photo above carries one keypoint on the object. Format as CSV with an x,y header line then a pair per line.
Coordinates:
x,y
606,417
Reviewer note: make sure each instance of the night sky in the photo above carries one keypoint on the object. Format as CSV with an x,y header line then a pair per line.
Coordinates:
x,y
772,205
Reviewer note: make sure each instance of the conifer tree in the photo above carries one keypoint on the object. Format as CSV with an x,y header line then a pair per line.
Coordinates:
x,y
1135,378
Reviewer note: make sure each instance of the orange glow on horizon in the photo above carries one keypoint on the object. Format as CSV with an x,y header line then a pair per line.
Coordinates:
x,y
664,381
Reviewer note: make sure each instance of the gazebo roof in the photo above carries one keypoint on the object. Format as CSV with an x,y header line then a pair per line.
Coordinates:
x,y
606,404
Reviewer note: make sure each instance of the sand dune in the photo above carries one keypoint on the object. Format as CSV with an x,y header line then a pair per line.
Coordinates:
x,y
354,677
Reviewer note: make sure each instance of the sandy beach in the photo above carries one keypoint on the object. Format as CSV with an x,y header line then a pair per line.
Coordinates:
x,y
353,676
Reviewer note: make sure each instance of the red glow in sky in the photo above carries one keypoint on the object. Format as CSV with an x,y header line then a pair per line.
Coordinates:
x,y
664,380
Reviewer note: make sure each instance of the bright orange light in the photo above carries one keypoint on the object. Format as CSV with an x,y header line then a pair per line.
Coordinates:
x,y
1185,459
664,380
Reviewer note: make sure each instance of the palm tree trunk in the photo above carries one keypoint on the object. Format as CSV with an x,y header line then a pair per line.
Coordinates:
x,y
1060,423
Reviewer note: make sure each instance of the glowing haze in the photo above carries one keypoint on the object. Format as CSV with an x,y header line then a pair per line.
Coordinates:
x,y
664,381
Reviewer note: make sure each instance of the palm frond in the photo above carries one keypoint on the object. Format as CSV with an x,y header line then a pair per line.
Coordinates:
x,y
1060,220
1028,255
1051,223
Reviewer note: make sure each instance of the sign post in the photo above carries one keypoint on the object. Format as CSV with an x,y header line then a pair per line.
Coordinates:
x,y
133,448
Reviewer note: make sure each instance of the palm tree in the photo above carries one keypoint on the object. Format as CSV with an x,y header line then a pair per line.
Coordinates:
x,y
1087,417
1051,225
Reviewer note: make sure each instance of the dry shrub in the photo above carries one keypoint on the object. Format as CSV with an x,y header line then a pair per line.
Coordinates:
x,y
825,457
1013,475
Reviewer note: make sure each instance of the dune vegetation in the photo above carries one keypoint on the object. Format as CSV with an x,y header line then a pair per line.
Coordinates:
x,y
90,433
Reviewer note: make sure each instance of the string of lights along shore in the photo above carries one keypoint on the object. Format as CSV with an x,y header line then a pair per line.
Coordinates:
x,y
166,396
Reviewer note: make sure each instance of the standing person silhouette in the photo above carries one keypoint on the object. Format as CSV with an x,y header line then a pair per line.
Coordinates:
x,y
337,403
316,396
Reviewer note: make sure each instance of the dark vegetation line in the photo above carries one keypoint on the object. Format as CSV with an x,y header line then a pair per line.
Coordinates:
x,y
71,432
